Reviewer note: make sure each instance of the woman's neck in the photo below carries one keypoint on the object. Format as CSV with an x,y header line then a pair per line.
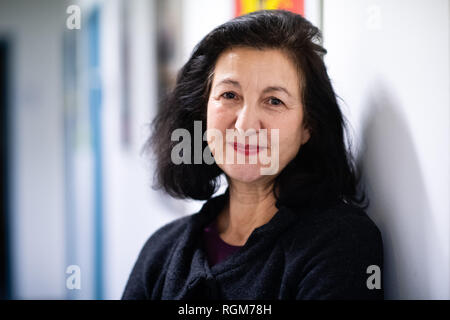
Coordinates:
x,y
249,207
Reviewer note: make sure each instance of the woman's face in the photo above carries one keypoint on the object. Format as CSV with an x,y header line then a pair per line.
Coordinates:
x,y
254,90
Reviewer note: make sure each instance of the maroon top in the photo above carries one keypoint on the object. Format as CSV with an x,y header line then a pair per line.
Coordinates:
x,y
217,250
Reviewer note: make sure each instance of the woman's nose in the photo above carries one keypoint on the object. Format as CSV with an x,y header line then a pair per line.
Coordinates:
x,y
247,119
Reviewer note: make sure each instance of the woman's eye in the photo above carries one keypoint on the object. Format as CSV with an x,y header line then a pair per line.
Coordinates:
x,y
275,101
229,95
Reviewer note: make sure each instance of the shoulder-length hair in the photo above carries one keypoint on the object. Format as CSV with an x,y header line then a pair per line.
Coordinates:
x,y
322,173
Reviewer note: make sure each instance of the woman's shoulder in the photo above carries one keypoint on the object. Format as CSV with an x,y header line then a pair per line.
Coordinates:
x,y
181,228
151,260
355,221
342,227
166,235
340,216
334,249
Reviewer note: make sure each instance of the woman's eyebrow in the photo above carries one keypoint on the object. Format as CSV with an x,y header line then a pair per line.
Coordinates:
x,y
228,81
266,90
276,88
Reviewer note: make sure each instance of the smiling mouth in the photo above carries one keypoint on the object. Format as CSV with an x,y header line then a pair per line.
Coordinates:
x,y
247,149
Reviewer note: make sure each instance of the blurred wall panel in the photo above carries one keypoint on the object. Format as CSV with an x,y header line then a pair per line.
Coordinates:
x,y
169,20
5,109
313,12
389,62
132,210
37,193
199,18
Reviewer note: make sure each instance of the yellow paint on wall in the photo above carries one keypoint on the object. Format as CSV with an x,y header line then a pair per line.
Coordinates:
x,y
250,6
255,5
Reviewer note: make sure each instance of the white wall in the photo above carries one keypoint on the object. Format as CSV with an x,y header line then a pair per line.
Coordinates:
x,y
133,211
389,61
199,18
37,204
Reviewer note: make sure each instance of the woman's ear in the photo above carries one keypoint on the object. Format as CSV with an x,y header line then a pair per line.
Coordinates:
x,y
305,135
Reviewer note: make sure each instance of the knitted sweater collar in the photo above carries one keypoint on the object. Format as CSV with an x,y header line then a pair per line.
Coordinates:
x,y
189,255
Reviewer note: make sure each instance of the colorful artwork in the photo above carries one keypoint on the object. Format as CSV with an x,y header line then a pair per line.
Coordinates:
x,y
246,6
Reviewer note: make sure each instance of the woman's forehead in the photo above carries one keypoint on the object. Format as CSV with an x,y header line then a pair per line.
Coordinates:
x,y
244,67
263,59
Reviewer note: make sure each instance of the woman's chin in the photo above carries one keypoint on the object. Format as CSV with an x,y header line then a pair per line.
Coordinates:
x,y
243,172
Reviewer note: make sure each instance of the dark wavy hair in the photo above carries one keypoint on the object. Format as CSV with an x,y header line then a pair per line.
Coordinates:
x,y
322,173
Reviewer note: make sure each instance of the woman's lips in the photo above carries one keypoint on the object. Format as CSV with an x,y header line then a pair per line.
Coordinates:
x,y
247,149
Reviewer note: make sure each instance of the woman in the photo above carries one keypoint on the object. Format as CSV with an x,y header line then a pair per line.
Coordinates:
x,y
291,225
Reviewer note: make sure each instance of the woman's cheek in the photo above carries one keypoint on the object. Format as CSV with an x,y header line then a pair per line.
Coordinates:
x,y
217,112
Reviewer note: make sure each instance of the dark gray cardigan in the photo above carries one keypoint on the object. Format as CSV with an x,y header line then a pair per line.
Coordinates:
x,y
313,254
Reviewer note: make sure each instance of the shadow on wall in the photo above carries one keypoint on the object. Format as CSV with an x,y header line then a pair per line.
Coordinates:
x,y
399,204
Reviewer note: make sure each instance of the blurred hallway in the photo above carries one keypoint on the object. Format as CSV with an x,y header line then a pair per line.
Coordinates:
x,y
76,106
